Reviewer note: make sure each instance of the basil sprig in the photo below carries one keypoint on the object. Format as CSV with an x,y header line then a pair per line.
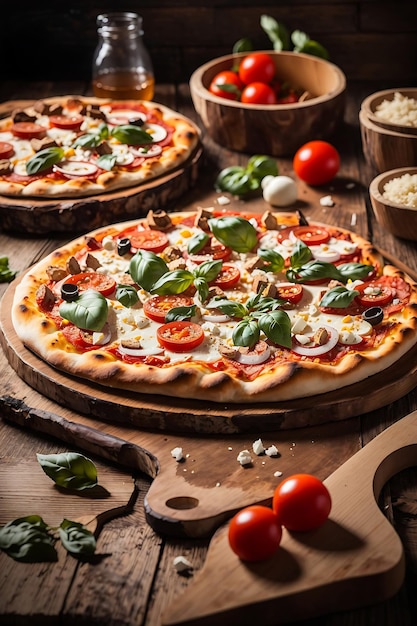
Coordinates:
x,y
339,297
132,135
92,140
27,540
180,313
88,311
242,181
107,161
69,470
44,160
146,268
6,274
76,538
234,232
258,314
178,281
126,295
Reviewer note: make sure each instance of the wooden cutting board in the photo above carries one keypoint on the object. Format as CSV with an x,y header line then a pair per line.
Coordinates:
x,y
38,216
354,559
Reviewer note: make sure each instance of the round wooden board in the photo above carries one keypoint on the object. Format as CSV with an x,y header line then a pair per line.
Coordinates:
x,y
74,215
189,416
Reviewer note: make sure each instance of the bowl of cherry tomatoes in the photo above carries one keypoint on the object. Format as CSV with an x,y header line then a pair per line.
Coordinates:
x,y
268,102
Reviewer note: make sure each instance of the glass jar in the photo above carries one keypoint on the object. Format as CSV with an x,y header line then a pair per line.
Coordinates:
x,y
122,68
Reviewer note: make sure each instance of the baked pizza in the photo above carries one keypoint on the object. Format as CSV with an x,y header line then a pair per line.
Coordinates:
x,y
217,305
76,147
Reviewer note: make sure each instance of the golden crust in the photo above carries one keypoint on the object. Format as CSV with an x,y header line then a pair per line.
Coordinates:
x,y
284,381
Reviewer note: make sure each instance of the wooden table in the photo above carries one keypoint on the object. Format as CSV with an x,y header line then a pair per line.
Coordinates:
x,y
133,581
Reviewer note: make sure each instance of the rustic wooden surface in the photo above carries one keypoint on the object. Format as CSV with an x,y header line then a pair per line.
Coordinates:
x,y
135,582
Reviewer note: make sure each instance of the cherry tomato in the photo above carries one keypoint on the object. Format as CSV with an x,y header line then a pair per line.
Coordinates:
x,y
290,291
302,502
93,280
310,235
180,336
227,77
228,276
288,99
255,533
316,162
257,67
28,130
374,294
151,240
212,251
67,123
6,150
157,307
258,93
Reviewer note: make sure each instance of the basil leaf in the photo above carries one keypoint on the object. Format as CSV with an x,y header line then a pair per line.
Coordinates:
x,y
146,268
232,308
277,327
6,274
69,469
234,232
208,270
103,131
246,333
260,166
44,160
235,180
174,282
301,254
242,45
107,161
339,297
277,33
27,540
253,301
355,271
202,288
89,140
274,260
299,39
88,311
132,135
181,313
313,271
76,538
314,48
127,295
267,304
197,243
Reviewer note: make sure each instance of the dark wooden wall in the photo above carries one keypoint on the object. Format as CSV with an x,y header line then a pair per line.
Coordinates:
x,y
367,38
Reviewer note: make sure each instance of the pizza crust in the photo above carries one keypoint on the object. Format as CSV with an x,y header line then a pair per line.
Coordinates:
x,y
194,380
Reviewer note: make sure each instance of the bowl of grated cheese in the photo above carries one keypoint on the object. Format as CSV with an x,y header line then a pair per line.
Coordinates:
x,y
393,109
394,201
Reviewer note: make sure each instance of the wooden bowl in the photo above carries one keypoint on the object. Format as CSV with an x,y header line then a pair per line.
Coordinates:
x,y
399,219
371,103
280,129
386,149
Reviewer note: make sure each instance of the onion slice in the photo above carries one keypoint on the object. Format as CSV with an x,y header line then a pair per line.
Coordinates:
x,y
152,351
325,253
72,169
157,132
253,357
318,350
122,116
147,153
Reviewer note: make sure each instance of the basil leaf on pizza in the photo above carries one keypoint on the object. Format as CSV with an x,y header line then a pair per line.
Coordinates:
x,y
107,161
235,233
338,297
44,160
89,140
197,242
146,268
202,287
180,313
208,270
131,135
127,295
246,333
301,254
277,327
274,261
88,311
355,271
173,282
313,270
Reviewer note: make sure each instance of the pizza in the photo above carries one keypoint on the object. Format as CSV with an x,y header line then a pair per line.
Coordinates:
x,y
73,146
217,306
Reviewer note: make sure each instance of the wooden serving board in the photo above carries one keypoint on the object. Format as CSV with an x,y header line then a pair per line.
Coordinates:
x,y
181,415
356,558
36,216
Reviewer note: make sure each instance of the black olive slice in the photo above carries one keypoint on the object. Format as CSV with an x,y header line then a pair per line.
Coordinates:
x,y
123,246
374,315
136,121
69,292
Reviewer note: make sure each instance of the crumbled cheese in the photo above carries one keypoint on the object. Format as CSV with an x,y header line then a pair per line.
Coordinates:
x,y
353,219
222,200
182,564
326,201
400,110
278,474
177,454
402,190
272,451
258,447
244,457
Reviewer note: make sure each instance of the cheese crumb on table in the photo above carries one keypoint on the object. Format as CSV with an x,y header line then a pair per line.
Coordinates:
x,y
272,451
258,447
177,454
244,457
326,201
182,564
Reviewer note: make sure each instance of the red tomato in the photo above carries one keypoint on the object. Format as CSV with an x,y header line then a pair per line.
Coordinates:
x,y
258,93
302,502
151,240
212,251
28,130
288,99
257,67
228,276
255,533
310,235
290,291
6,150
67,123
180,336
316,162
157,307
92,280
227,77
374,294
